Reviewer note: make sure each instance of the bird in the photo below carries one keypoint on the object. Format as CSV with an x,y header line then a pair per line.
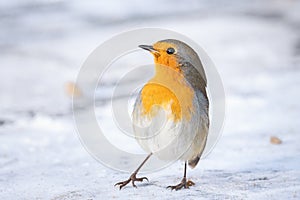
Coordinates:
x,y
171,112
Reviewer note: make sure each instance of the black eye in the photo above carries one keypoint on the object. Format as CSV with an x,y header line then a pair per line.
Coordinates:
x,y
170,50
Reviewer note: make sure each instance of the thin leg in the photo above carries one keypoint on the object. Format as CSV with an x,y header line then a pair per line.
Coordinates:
x,y
133,177
183,183
184,173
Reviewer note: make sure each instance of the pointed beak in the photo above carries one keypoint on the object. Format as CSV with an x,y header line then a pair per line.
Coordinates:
x,y
148,48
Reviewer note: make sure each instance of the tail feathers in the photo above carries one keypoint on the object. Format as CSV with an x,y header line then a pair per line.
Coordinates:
x,y
194,162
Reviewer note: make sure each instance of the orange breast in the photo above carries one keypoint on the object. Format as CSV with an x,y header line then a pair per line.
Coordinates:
x,y
157,95
168,90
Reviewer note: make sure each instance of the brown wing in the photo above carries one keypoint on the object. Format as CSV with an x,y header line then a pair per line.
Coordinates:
x,y
198,82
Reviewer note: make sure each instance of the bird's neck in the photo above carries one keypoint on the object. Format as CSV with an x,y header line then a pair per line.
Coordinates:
x,y
167,74
162,62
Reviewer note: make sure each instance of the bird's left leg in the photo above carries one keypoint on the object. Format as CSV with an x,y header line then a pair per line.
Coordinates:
x,y
184,183
133,177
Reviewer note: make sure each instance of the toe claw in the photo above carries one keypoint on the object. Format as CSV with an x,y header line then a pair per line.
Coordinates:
x,y
134,184
132,179
184,184
144,178
171,187
190,183
117,184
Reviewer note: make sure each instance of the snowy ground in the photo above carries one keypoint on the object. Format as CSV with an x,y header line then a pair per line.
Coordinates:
x,y
256,48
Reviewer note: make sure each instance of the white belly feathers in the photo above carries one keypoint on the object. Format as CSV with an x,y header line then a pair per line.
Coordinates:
x,y
166,138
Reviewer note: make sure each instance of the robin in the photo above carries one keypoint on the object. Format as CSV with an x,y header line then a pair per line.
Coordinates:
x,y
170,115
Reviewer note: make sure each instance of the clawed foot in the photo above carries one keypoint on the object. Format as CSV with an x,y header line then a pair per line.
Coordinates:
x,y
183,184
132,178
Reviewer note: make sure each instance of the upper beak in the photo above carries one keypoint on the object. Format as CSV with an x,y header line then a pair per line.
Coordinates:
x,y
148,48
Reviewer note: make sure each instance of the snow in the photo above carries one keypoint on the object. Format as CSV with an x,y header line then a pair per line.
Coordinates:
x,y
255,47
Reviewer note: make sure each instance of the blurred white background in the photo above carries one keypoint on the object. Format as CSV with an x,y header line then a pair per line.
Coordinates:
x,y
255,46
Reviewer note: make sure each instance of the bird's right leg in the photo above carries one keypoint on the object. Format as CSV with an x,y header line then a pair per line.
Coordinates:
x,y
184,183
133,177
